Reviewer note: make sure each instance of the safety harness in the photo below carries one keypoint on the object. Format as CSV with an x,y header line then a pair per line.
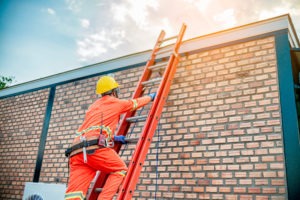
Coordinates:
x,y
87,145
90,144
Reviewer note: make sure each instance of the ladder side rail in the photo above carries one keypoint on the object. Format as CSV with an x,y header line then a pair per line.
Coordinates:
x,y
124,126
147,72
141,156
141,142
179,39
124,186
157,44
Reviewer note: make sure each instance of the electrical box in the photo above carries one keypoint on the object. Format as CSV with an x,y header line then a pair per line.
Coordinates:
x,y
44,191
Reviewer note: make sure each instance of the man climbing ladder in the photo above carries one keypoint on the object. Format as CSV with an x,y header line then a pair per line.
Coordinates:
x,y
92,147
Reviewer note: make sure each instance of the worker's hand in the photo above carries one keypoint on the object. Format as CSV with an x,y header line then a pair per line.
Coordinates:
x,y
152,95
120,138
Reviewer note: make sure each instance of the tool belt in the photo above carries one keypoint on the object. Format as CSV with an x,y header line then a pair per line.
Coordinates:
x,y
90,144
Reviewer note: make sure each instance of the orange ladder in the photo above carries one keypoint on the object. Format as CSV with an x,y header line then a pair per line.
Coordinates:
x,y
167,71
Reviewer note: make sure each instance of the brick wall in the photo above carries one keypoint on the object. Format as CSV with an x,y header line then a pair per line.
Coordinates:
x,y
220,134
21,121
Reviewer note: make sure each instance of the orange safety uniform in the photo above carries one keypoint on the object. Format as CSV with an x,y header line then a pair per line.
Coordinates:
x,y
103,114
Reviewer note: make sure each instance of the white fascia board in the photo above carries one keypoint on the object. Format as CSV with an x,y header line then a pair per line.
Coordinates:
x,y
242,32
293,38
222,37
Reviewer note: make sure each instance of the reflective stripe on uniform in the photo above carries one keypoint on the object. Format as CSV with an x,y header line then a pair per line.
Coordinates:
x,y
105,128
135,104
122,173
73,195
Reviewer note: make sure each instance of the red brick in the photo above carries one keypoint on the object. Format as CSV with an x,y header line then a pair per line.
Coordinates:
x,y
254,190
246,197
276,165
240,174
211,189
239,190
261,182
262,197
174,188
245,182
269,190
226,175
277,182
212,174
225,189
203,182
268,158
198,189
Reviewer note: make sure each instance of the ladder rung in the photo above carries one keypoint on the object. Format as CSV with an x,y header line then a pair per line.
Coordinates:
x,y
137,118
152,81
164,51
132,140
93,182
158,66
98,190
170,38
127,162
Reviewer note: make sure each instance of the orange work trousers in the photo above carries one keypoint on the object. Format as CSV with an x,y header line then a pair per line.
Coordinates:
x,y
81,174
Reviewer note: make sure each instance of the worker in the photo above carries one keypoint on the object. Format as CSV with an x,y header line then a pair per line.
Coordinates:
x,y
92,147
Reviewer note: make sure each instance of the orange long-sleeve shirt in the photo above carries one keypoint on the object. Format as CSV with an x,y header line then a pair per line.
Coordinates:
x,y
105,112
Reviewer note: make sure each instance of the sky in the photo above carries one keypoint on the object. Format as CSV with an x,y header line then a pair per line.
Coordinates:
x,y
39,38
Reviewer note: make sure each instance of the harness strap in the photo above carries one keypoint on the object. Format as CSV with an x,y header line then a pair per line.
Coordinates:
x,y
105,128
89,150
93,141
80,145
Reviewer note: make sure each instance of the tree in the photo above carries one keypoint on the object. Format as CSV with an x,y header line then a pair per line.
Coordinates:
x,y
5,81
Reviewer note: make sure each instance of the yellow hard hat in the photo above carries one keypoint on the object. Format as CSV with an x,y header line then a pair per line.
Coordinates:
x,y
106,84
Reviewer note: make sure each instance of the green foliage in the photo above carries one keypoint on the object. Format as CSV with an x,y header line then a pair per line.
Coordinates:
x,y
5,82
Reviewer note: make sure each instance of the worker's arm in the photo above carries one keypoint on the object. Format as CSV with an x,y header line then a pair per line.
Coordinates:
x,y
133,104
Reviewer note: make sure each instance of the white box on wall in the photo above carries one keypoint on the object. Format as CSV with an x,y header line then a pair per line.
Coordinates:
x,y
44,191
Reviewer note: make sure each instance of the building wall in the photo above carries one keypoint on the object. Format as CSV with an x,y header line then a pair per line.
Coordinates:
x,y
21,122
220,134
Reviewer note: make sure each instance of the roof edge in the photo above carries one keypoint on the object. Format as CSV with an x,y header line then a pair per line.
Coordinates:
x,y
282,22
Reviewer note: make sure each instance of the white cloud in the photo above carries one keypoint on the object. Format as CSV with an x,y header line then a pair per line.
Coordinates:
x,y
74,5
116,39
167,26
287,8
138,11
96,44
200,4
85,23
119,12
87,49
51,11
226,19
